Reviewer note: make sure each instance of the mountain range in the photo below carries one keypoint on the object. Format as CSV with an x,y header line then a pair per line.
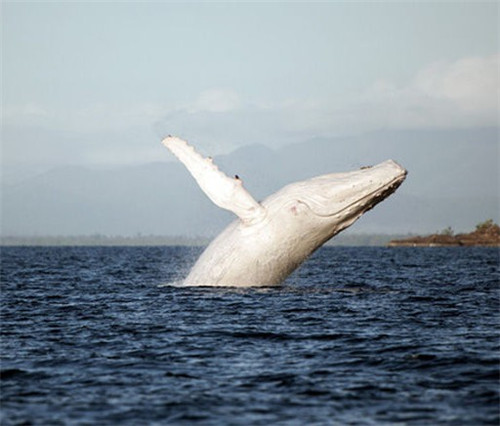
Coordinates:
x,y
453,182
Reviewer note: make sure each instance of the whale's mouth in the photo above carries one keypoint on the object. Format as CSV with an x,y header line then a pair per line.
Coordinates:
x,y
360,205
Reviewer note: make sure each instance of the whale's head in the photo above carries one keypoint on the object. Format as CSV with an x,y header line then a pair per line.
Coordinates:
x,y
327,204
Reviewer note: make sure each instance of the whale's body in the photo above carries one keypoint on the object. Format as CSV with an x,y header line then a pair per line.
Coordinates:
x,y
271,239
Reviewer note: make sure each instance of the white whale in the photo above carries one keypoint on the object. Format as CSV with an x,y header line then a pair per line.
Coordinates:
x,y
269,240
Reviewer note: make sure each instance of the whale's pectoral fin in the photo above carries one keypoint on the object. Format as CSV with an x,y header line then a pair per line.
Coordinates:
x,y
228,193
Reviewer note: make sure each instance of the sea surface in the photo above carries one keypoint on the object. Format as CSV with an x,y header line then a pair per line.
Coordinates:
x,y
356,336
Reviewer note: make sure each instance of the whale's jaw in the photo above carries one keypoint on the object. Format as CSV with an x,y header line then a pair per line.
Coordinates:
x,y
272,238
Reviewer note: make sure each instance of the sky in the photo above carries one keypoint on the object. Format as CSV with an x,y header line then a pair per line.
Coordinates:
x,y
100,83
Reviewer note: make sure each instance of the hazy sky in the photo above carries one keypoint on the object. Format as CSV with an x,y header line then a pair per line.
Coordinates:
x,y
100,82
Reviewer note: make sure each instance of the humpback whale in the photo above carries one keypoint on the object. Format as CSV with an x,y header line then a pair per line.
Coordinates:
x,y
270,239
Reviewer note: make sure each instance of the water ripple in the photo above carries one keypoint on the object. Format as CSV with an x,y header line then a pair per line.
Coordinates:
x,y
358,336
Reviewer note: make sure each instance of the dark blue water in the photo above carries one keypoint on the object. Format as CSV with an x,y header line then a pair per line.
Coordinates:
x,y
357,336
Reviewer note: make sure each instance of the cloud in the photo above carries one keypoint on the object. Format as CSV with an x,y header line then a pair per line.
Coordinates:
x,y
471,83
215,100
463,93
445,94
27,113
84,119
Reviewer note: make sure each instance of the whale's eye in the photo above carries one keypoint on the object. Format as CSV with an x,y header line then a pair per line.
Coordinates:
x,y
296,208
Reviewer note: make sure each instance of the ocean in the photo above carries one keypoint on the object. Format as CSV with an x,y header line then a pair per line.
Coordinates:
x,y
356,336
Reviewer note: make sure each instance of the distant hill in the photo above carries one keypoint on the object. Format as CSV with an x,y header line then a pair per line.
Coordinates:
x,y
452,181
486,234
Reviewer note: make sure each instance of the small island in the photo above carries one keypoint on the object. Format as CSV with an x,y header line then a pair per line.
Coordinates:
x,y
486,234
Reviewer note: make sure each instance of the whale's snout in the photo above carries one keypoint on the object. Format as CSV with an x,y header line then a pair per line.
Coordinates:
x,y
391,166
